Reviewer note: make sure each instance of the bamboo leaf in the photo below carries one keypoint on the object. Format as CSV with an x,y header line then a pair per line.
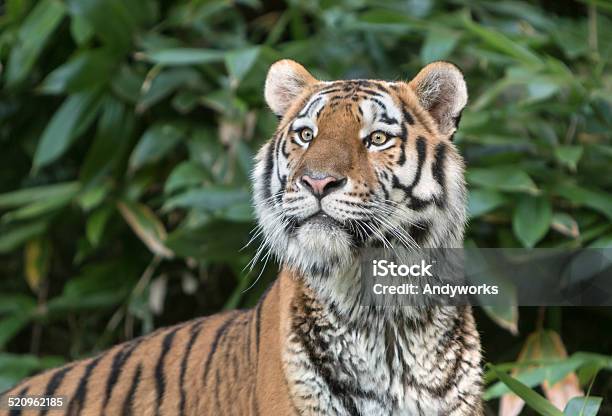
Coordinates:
x,y
155,143
531,398
502,178
32,37
37,260
146,226
583,406
184,56
65,123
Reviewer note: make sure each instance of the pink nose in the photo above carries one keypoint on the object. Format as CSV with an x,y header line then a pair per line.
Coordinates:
x,y
322,187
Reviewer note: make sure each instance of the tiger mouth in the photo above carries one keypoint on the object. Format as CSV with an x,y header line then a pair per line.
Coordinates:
x,y
321,218
326,222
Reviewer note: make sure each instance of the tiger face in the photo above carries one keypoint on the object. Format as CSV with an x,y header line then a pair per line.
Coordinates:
x,y
359,163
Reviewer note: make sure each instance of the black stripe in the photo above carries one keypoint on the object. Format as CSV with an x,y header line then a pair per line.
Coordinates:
x,y
329,90
195,331
416,204
269,166
438,170
370,92
457,119
402,157
407,116
129,399
283,147
215,344
217,389
281,178
80,396
384,118
17,412
247,343
119,361
160,377
55,382
306,111
411,116
304,326
421,153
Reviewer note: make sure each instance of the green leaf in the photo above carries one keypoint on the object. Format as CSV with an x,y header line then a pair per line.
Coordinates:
x,y
595,199
565,224
211,198
11,325
583,406
112,139
38,208
96,225
502,178
110,20
15,302
602,242
31,39
146,226
16,367
65,123
168,82
214,241
531,219
482,201
531,398
500,42
239,62
155,143
438,45
80,30
569,155
184,56
37,193
506,316
12,237
186,174
87,70
548,370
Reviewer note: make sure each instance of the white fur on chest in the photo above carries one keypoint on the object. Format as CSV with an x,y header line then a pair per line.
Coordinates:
x,y
384,386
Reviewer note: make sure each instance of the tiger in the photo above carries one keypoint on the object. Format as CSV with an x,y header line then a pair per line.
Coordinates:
x,y
352,164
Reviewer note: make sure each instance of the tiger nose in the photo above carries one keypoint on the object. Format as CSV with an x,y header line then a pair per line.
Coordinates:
x,y
322,186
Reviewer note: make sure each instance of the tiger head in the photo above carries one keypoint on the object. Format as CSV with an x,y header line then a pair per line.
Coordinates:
x,y
359,163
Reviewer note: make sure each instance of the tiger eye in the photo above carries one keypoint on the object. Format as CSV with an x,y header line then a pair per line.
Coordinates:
x,y
306,134
378,138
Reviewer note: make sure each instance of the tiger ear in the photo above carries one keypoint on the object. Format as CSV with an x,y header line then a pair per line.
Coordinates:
x,y
441,90
286,80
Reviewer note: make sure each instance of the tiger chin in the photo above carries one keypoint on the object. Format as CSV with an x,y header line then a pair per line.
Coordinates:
x,y
353,164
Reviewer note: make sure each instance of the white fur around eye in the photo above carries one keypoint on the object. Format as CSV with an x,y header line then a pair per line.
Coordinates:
x,y
301,123
377,148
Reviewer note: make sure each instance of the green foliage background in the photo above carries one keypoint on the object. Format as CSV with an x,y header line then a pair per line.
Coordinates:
x,y
128,128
